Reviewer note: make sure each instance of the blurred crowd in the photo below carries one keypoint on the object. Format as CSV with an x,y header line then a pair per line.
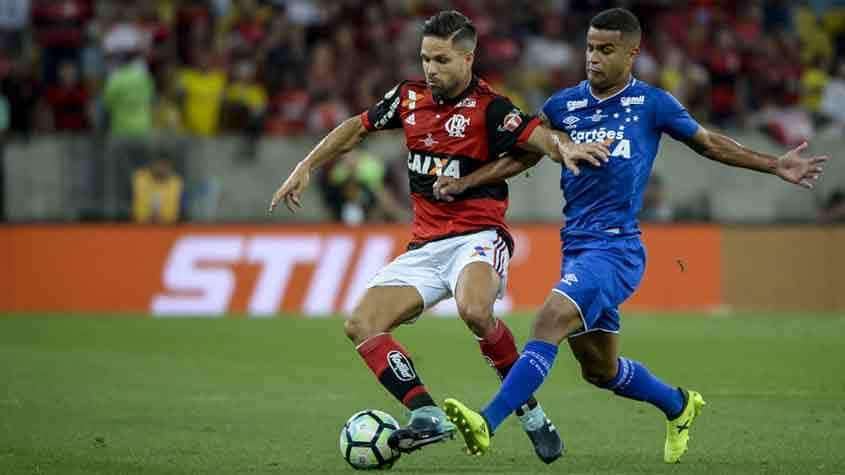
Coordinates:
x,y
202,68
285,67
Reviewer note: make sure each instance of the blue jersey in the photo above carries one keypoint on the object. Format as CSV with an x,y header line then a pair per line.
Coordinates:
x,y
602,202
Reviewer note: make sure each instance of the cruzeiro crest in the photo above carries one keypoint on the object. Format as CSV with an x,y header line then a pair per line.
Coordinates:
x,y
457,125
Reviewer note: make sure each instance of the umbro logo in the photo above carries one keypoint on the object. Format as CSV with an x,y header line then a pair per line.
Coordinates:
x,y
571,120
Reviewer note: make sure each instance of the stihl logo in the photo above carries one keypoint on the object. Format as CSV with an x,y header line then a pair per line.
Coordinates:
x,y
199,278
203,272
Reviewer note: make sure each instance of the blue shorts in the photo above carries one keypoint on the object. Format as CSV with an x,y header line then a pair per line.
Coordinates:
x,y
597,281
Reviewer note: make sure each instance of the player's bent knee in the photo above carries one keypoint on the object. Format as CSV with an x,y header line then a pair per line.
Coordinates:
x,y
598,376
478,317
555,322
358,328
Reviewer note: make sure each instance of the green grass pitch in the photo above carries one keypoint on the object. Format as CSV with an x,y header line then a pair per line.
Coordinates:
x,y
122,396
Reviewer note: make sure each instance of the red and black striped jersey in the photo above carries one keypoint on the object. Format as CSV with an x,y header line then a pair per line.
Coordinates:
x,y
452,137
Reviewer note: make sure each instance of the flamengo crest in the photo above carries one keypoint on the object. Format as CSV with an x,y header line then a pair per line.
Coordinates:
x,y
456,125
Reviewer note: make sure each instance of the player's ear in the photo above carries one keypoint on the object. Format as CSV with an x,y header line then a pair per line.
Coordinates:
x,y
634,52
469,57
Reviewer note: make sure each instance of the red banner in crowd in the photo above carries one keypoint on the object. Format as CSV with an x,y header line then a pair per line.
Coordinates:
x,y
311,270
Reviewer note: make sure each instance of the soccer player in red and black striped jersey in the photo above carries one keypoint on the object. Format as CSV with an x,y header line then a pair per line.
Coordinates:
x,y
454,123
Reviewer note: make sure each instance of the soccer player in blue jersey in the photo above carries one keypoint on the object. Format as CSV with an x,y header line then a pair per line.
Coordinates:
x,y
604,258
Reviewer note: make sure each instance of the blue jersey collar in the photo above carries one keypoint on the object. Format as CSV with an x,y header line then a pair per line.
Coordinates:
x,y
632,82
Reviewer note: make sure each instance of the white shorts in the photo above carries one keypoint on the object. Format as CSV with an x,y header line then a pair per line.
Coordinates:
x,y
434,268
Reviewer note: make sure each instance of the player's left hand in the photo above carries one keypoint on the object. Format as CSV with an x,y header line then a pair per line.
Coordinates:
x,y
802,171
446,187
569,154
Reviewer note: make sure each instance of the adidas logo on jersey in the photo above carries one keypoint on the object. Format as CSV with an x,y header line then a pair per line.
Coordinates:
x,y
428,165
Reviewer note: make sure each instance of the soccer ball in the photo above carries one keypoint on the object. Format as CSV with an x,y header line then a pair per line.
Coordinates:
x,y
363,440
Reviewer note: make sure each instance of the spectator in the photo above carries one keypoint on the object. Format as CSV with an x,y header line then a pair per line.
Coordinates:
x,y
246,104
168,113
128,97
69,101
246,99
202,88
14,18
655,205
322,78
354,190
127,33
327,113
59,30
813,82
724,67
289,108
22,91
157,192
832,104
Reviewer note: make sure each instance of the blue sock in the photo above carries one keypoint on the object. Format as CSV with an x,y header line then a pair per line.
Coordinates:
x,y
634,381
523,379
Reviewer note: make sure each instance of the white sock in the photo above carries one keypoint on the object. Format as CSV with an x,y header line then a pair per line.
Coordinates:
x,y
532,419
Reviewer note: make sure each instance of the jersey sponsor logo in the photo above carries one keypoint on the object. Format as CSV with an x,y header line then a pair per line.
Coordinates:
x,y
481,251
429,141
457,125
633,100
383,120
621,149
401,366
597,135
411,119
428,165
469,103
575,105
511,122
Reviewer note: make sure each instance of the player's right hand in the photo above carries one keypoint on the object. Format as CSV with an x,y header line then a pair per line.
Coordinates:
x,y
594,153
291,190
446,187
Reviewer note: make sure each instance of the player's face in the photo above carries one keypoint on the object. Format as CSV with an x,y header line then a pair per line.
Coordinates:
x,y
609,58
446,68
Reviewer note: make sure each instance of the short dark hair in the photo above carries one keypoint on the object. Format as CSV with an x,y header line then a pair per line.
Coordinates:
x,y
451,25
618,19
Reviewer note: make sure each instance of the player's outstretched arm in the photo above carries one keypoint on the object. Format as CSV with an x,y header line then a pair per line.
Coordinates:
x,y
790,167
445,188
339,141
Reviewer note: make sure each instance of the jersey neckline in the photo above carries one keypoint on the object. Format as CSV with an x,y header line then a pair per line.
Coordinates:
x,y
630,84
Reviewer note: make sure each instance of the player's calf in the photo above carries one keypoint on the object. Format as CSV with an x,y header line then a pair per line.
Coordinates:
x,y
499,348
